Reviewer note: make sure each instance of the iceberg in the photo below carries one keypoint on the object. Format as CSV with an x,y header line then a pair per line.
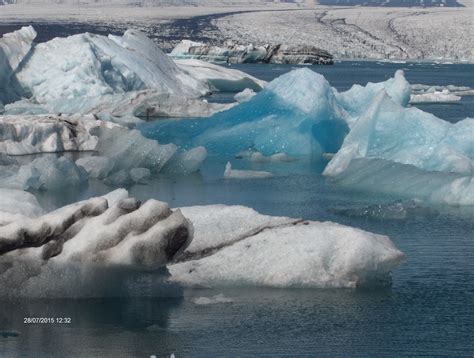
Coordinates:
x,y
298,113
27,134
116,78
408,152
443,96
44,173
245,95
280,252
91,248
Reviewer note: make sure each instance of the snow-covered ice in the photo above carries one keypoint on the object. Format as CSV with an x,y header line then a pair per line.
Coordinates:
x,y
17,205
220,78
245,95
278,254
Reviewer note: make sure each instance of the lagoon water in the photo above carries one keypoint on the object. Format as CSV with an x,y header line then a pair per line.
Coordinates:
x,y
428,310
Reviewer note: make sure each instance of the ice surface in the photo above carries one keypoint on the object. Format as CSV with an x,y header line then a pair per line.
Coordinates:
x,y
186,162
17,205
90,249
302,254
220,78
230,173
14,47
257,157
97,167
217,226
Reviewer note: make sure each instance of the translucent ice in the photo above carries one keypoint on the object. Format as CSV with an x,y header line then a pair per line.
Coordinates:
x,y
298,113
230,173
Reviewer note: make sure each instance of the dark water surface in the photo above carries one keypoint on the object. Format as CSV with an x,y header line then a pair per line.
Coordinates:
x,y
428,311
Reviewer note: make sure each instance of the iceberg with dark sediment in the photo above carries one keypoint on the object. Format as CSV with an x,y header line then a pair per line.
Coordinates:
x,y
98,247
116,246
236,246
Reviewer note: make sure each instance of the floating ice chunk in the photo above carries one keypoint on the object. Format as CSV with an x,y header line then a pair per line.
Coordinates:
x,y
220,78
187,162
220,298
418,89
245,95
230,173
89,249
119,178
129,149
435,97
14,47
17,205
96,167
46,173
308,254
140,175
409,136
21,135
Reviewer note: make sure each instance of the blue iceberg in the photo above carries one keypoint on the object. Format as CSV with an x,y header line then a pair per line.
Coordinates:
x,y
298,113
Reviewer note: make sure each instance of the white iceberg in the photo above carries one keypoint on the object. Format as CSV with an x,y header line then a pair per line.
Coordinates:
x,y
230,173
443,96
220,298
282,253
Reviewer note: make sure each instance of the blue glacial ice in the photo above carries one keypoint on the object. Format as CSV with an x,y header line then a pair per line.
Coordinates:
x,y
411,153
298,114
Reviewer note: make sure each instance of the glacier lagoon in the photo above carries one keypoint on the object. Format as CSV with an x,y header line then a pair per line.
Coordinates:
x,y
426,309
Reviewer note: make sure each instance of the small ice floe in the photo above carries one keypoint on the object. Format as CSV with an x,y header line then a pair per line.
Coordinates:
x,y
230,173
245,95
443,96
220,298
